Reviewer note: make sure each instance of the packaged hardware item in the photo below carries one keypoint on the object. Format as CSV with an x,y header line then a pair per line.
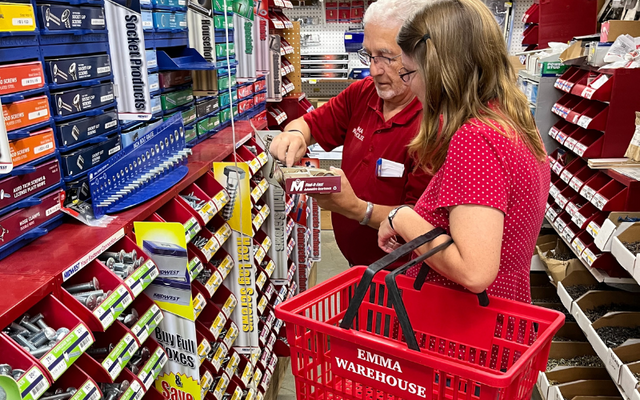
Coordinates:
x,y
16,188
85,158
176,99
20,77
74,101
219,22
190,133
154,83
21,221
206,107
147,20
188,116
300,180
17,17
218,5
169,3
60,17
37,145
65,70
174,78
164,20
78,130
24,113
207,125
223,48
245,91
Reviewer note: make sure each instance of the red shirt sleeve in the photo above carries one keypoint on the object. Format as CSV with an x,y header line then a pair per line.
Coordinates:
x,y
475,171
329,123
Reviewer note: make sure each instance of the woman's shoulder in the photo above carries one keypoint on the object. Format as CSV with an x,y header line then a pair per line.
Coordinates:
x,y
475,132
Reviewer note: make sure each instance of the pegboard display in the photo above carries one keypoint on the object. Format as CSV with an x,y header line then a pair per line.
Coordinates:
x,y
292,36
517,27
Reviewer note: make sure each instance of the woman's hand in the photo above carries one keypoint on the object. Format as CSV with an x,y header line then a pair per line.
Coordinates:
x,y
387,239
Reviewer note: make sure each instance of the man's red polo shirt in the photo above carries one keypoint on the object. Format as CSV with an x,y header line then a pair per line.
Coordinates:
x,y
355,119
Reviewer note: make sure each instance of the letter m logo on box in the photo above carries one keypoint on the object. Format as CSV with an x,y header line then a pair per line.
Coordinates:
x,y
296,186
390,374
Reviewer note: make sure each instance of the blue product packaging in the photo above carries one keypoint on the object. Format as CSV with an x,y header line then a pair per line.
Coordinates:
x,y
154,82
152,59
61,17
85,158
74,101
78,130
147,20
163,20
156,104
65,70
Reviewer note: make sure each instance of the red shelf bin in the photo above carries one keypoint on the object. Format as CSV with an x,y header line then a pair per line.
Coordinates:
x,y
593,185
556,27
552,212
62,356
225,301
584,214
530,35
209,209
140,279
570,78
532,15
209,249
238,386
603,261
563,134
582,176
581,241
572,168
593,227
229,334
203,346
565,104
598,87
611,197
35,381
101,317
153,394
155,218
570,231
562,221
136,389
213,319
150,370
173,211
563,80
199,296
585,143
109,367
77,378
149,316
295,106
565,196
211,287
214,190
589,115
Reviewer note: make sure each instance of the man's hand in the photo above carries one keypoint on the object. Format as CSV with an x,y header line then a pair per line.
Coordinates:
x,y
288,147
346,202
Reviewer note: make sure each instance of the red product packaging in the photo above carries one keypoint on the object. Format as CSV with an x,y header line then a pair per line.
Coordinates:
x,y
174,78
259,86
245,91
357,13
344,15
245,105
332,15
20,77
16,188
23,220
344,5
39,144
21,114
331,5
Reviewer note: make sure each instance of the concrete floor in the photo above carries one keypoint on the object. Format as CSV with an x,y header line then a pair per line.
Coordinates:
x,y
332,264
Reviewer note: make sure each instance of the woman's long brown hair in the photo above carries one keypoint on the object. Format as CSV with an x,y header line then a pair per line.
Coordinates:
x,y
463,62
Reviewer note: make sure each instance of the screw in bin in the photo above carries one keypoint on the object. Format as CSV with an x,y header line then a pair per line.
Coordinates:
x,y
22,341
41,351
117,256
17,373
234,176
5,369
81,287
24,321
130,257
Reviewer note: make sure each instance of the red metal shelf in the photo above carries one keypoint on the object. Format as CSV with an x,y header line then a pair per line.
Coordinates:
x,y
561,20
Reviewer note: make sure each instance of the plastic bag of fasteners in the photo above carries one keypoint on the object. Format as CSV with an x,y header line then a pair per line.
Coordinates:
x,y
633,152
558,259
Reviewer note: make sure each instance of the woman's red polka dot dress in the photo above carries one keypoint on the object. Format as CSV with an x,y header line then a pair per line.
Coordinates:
x,y
484,167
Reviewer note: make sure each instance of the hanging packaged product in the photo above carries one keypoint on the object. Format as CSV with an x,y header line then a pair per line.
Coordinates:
x,y
16,188
20,77
73,69
224,49
129,60
85,158
74,101
24,113
17,17
61,17
23,220
201,30
79,130
37,145
223,22
164,20
176,99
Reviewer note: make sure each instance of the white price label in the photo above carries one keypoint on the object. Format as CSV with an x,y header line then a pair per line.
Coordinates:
x,y
589,257
561,201
553,132
566,176
571,209
588,92
579,149
584,122
570,143
579,219
554,191
587,192
576,184
578,245
557,168
551,214
593,229
599,201
560,224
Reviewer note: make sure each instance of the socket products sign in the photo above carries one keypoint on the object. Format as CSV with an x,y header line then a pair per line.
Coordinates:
x,y
128,59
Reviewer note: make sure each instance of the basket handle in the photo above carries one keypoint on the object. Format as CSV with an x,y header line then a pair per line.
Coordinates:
x,y
384,262
396,297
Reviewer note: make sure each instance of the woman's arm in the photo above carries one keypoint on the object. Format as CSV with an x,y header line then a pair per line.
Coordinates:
x,y
473,259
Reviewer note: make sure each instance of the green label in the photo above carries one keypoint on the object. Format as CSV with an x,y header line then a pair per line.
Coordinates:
x,y
67,351
88,391
191,228
147,323
113,306
120,356
153,367
142,277
134,392
195,267
32,384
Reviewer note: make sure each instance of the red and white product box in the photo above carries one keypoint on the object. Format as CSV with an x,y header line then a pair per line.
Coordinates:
x,y
16,188
20,77
23,220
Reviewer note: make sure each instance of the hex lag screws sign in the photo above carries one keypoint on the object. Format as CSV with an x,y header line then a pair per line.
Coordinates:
x,y
244,281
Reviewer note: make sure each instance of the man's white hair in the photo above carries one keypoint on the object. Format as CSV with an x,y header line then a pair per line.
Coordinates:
x,y
396,12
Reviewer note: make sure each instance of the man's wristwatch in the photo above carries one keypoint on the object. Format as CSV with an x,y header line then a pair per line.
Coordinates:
x,y
367,214
393,213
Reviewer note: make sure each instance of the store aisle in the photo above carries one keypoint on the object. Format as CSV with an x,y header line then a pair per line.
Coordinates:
x,y
332,263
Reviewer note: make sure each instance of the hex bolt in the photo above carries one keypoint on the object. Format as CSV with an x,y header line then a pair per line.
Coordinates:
x,y
234,176
82,287
41,351
18,328
131,256
118,256
31,327
36,318
61,396
81,295
40,339
110,263
25,343
90,301
17,373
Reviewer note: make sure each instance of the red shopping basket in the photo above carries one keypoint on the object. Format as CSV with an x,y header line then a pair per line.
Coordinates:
x,y
462,350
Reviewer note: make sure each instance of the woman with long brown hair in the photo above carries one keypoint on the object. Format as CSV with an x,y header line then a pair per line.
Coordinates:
x,y
479,140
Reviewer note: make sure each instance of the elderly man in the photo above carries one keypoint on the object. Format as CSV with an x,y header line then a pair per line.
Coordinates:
x,y
375,119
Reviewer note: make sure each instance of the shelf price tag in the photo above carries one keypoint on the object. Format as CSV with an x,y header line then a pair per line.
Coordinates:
x,y
262,304
223,233
142,277
566,176
579,149
88,391
147,323
265,211
229,305
113,306
570,143
257,221
225,267
254,165
593,229
134,392
553,132
221,199
203,350
32,384
270,268
263,158
578,245
559,224
231,336
218,324
153,367
571,209
232,364
195,267
579,219
589,257
208,211
561,137
120,356
587,192
554,191
256,193
221,387
67,351
198,304
561,201
213,283
588,92
218,357
260,280
266,244
191,228
599,201
576,184
584,122
278,3
205,382
246,375
260,254
557,168
211,248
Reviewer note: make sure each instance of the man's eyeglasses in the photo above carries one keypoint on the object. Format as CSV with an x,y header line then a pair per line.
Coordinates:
x,y
366,58
406,75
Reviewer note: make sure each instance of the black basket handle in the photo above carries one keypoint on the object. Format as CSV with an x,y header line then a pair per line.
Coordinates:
x,y
384,262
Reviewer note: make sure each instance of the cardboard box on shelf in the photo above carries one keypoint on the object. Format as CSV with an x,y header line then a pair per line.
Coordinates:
x,y
570,332
628,380
602,298
558,270
612,29
613,227
570,374
23,113
627,258
604,387
19,77
610,356
582,277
